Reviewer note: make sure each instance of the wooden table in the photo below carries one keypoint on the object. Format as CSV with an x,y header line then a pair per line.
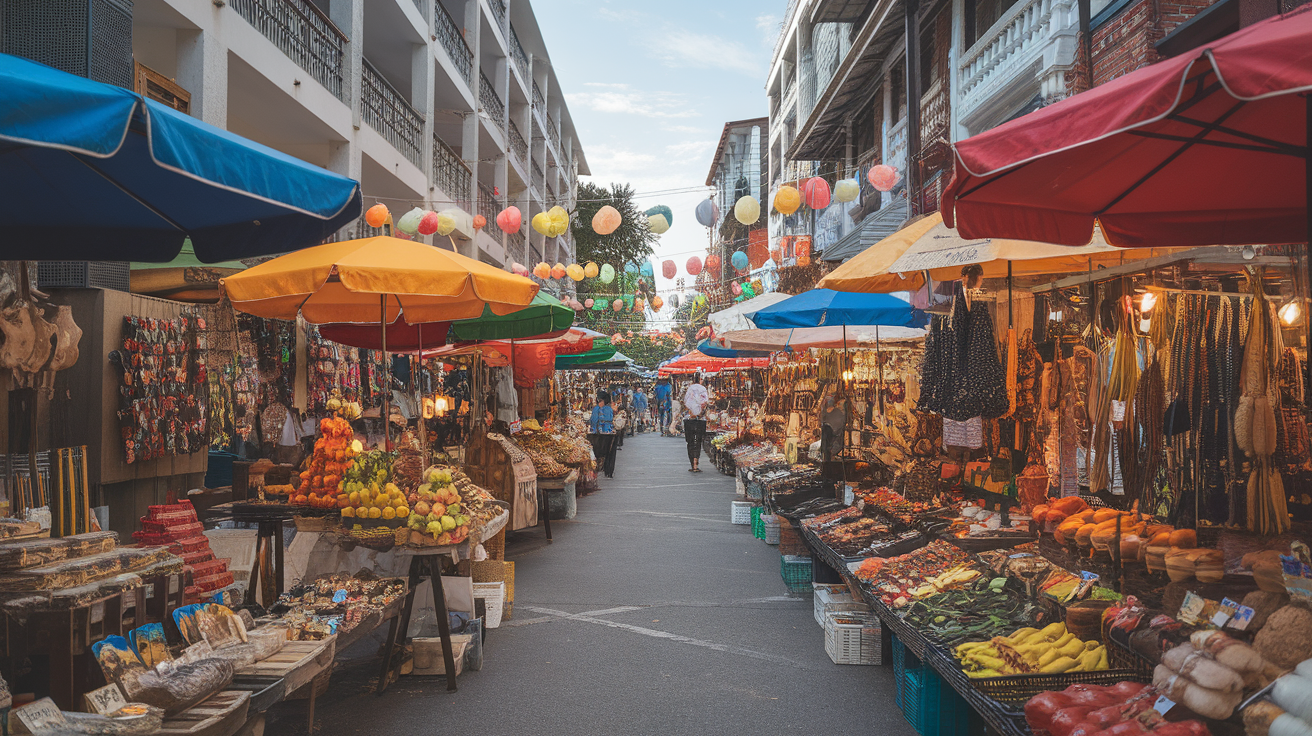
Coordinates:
x,y
293,667
422,563
268,519
552,485
221,714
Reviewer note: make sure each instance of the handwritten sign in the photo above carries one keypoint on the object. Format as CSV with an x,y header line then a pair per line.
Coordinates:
x,y
106,700
40,715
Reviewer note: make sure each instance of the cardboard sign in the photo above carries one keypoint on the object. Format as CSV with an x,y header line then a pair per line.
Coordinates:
x,y
105,700
40,715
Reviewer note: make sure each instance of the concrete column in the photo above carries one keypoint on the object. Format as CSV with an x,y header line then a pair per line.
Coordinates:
x,y
203,71
886,198
349,16
469,138
955,132
422,70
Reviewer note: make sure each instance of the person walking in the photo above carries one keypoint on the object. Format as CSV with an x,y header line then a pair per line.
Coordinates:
x,y
694,423
601,430
663,393
639,410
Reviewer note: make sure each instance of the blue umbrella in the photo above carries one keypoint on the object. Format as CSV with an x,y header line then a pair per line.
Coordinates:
x,y
709,348
90,171
829,308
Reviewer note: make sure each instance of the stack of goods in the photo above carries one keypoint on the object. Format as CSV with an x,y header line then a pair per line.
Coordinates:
x,y
447,509
554,454
931,569
176,526
1209,673
1289,712
850,538
367,491
978,612
803,483
323,480
977,522
1123,709
335,604
408,469
1050,650
66,572
813,508
894,505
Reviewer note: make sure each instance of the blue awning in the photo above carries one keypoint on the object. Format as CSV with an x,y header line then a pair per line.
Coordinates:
x,y
710,347
829,308
90,171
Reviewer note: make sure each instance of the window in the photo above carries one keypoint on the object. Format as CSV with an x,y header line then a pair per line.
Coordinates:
x,y
981,15
928,70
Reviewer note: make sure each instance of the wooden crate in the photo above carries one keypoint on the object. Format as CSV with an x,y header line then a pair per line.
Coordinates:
x,y
297,663
222,714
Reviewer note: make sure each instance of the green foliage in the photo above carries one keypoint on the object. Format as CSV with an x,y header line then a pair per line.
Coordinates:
x,y
650,350
631,242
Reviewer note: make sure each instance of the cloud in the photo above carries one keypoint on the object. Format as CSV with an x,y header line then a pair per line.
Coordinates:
x,y
681,128
649,104
704,51
689,149
768,25
606,85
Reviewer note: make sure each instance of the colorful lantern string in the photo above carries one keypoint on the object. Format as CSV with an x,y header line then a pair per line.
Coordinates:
x,y
377,216
787,200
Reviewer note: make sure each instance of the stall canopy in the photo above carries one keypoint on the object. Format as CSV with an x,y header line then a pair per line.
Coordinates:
x,y
92,171
802,338
739,316
698,362
717,348
1209,147
826,307
900,261
545,316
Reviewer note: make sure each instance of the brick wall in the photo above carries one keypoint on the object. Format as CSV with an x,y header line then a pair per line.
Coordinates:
x,y
1125,42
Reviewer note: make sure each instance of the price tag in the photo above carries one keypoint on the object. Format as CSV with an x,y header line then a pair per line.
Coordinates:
x,y
516,426
1163,704
1220,618
848,496
1118,411
40,715
1242,617
173,583
106,700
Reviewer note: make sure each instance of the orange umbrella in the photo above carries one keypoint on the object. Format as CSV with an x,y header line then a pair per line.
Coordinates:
x,y
353,280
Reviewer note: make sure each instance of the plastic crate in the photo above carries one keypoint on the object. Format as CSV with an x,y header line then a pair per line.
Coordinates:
x,y
758,526
114,275
928,703
796,572
770,526
740,512
853,638
494,601
833,599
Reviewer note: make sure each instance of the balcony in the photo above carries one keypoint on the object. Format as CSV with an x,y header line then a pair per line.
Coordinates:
x,y
491,102
499,12
453,41
488,206
515,244
451,174
897,146
553,131
304,34
539,102
387,112
539,179
1034,40
517,53
518,146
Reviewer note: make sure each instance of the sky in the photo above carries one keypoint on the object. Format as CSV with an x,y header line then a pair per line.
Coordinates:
x,y
650,86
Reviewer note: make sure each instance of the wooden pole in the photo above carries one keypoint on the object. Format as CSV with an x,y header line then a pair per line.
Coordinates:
x,y
387,378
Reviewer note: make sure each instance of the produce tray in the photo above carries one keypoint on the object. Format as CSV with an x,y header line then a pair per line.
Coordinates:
x,y
1013,691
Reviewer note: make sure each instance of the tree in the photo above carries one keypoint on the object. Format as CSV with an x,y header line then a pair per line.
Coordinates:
x,y
631,242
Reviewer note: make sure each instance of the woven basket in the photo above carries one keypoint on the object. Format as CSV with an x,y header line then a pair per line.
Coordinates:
x,y
496,546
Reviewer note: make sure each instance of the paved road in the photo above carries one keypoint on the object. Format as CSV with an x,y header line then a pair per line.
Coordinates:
x,y
649,614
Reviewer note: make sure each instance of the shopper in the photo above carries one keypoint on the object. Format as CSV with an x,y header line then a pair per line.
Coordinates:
x,y
621,421
601,431
694,423
663,405
639,409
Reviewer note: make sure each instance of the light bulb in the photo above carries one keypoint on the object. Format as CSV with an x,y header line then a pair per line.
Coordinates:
x,y
1291,312
1147,301
1248,252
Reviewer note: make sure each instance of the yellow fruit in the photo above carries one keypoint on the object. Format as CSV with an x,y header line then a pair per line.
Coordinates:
x,y
348,512
389,513
375,513
402,512
398,501
354,498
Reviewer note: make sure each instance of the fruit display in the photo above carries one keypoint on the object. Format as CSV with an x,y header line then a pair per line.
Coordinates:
x,y
334,453
367,493
926,571
437,510
1049,650
1123,709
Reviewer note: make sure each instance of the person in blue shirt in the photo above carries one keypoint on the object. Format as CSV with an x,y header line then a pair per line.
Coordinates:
x,y
601,430
663,406
639,409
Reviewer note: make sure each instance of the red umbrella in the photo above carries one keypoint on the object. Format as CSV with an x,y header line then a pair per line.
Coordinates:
x,y
402,337
1203,149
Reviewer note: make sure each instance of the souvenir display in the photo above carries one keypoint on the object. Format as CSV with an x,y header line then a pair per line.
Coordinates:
x,y
164,392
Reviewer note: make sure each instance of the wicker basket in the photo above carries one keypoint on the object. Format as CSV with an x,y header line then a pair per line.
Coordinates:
x,y
496,546
315,523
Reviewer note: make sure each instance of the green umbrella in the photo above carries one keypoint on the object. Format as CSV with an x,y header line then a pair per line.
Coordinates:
x,y
601,351
544,315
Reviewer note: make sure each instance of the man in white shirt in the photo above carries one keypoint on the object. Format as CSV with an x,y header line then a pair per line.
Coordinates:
x,y
694,425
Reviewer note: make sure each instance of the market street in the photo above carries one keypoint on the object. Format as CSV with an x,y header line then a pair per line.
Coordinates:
x,y
649,614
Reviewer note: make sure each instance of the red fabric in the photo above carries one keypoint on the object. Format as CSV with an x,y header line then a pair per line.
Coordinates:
x,y
758,247
533,361
1047,176
401,337
697,361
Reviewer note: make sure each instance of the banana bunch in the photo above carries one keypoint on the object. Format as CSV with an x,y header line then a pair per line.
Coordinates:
x,y
1050,650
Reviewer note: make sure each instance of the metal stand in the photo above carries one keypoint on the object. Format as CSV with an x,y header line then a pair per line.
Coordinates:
x,y
399,630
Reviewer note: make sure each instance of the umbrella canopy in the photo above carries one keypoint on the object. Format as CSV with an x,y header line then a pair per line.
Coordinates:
x,y
899,262
401,337
738,317
699,362
716,347
91,171
351,280
1206,148
601,352
544,316
833,338
826,307
183,279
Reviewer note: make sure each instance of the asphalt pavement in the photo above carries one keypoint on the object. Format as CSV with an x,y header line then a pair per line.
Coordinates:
x,y
649,614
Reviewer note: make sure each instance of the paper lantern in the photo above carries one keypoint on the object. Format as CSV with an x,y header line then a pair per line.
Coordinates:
x,y
659,218
735,288
558,271
669,270
707,213
607,273
402,235
428,223
542,270
518,269
816,192
446,223
617,305
559,220
479,222
588,303
606,221
739,260
590,271
409,222
847,190
747,210
883,177
631,268
574,271
510,220
377,216
694,266
713,264
787,200
541,223
656,303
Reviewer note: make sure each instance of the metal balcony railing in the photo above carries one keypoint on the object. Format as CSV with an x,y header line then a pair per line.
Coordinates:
x,y
498,12
553,131
304,34
420,4
451,174
517,53
539,178
518,146
539,102
491,102
453,41
387,112
488,204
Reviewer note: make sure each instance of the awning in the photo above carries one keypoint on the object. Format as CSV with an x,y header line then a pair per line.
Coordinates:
x,y
738,317
820,337
91,171
874,228
828,308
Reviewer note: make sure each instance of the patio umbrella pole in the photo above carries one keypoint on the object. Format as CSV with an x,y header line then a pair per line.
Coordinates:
x,y
1307,193
415,373
387,378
